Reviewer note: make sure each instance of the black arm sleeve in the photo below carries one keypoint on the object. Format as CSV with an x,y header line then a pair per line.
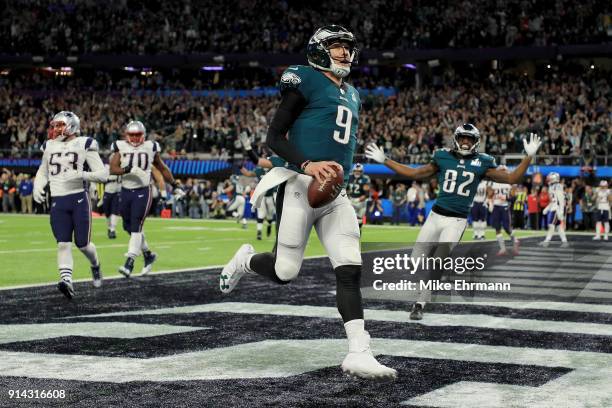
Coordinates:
x,y
291,105
253,156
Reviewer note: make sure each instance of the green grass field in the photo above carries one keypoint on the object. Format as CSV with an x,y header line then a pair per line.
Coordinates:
x,y
28,250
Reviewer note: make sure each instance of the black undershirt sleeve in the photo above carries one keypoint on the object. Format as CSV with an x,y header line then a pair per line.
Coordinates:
x,y
291,105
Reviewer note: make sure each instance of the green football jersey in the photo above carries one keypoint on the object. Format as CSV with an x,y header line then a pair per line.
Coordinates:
x,y
356,186
458,177
326,129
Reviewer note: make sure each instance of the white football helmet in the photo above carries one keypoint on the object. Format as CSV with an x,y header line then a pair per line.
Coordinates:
x,y
603,183
72,125
135,133
358,168
470,131
553,178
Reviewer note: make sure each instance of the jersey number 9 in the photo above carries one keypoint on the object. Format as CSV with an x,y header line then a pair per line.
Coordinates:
x,y
343,119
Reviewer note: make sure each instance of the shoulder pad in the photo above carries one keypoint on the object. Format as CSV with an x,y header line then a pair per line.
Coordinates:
x,y
156,147
294,77
91,144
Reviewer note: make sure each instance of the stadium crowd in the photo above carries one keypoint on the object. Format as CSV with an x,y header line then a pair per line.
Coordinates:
x,y
193,26
205,199
571,113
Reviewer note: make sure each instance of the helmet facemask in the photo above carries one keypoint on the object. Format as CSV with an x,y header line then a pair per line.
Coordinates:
x,y
135,133
319,52
463,148
64,124
470,131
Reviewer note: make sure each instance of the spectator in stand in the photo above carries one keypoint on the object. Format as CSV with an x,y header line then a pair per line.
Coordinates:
x,y
26,188
398,201
412,199
519,201
375,209
533,209
7,183
543,200
587,205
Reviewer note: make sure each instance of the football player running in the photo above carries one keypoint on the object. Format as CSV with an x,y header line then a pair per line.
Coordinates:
x,y
459,171
133,159
320,113
555,210
500,218
358,190
602,198
62,166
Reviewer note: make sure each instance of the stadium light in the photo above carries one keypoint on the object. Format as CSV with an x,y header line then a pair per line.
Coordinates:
x,y
548,66
592,66
409,66
130,69
212,68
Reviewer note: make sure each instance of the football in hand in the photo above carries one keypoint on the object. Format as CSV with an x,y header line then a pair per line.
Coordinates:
x,y
320,194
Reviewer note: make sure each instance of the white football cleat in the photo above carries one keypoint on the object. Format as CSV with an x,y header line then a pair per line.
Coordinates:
x,y
515,247
544,244
360,363
596,238
565,244
235,269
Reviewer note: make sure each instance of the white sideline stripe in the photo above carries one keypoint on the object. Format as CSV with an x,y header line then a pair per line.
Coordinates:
x,y
11,333
583,276
292,357
170,243
550,283
432,319
136,276
566,271
368,293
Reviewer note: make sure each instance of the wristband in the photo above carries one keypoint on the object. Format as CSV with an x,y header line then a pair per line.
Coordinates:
x,y
127,169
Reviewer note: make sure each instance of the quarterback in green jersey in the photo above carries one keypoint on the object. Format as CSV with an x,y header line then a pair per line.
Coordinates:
x,y
459,171
314,131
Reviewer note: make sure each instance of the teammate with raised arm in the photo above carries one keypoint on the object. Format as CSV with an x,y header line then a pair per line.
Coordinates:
x,y
62,167
133,159
314,131
459,171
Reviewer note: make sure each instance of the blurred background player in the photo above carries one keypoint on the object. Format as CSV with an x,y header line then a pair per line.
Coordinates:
x,y
358,190
133,159
460,171
555,211
62,166
602,199
110,203
479,211
314,130
237,193
267,209
500,217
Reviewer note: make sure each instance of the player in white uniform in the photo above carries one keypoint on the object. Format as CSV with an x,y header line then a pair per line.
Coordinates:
x,y
555,210
237,204
133,159
110,203
602,198
500,193
62,166
479,211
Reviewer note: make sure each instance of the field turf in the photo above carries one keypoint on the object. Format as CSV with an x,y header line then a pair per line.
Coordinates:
x,y
28,249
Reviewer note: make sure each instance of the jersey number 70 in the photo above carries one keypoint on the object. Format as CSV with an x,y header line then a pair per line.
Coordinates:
x,y
451,180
